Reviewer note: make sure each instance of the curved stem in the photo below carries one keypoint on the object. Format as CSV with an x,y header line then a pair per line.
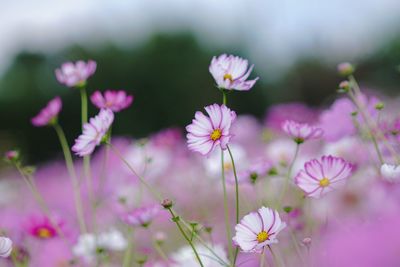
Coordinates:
x,y
157,196
371,125
176,220
237,198
72,174
30,182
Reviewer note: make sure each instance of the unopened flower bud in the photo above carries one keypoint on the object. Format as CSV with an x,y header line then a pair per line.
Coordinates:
x,y
167,203
345,69
12,155
344,86
160,237
306,242
379,106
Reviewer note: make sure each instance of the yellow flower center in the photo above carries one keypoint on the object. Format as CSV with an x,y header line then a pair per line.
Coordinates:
x,y
228,77
216,134
44,233
262,236
324,182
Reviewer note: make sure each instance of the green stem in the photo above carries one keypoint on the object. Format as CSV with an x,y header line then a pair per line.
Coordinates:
x,y
237,199
72,174
158,196
176,220
155,194
226,208
84,106
369,123
160,251
127,262
30,182
289,173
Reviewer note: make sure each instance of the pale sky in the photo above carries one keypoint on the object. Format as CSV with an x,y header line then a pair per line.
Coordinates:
x,y
274,33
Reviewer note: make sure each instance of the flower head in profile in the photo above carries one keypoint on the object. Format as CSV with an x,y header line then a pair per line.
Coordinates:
x,y
75,74
301,132
114,100
206,133
258,229
5,247
93,133
231,72
142,216
319,177
390,173
48,114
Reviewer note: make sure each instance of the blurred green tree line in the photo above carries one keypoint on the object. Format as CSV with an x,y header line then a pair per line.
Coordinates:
x,y
168,76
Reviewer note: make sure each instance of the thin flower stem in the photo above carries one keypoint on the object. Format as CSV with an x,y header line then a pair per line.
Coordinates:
x,y
84,106
30,182
176,220
160,251
289,173
226,208
86,159
157,196
296,246
72,173
237,199
370,124
127,262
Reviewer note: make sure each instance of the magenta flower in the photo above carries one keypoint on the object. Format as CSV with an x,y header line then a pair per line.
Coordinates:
x,y
75,74
93,133
231,72
301,132
41,227
114,100
48,115
142,216
320,177
205,133
258,229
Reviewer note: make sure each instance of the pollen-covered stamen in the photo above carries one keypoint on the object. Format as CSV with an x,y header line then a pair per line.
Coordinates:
x,y
229,77
216,134
262,236
324,182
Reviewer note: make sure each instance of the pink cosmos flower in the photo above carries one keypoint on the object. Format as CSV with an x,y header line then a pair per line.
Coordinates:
x,y
114,100
301,132
295,111
48,114
231,72
205,133
319,177
5,247
258,229
142,216
75,74
41,227
93,133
